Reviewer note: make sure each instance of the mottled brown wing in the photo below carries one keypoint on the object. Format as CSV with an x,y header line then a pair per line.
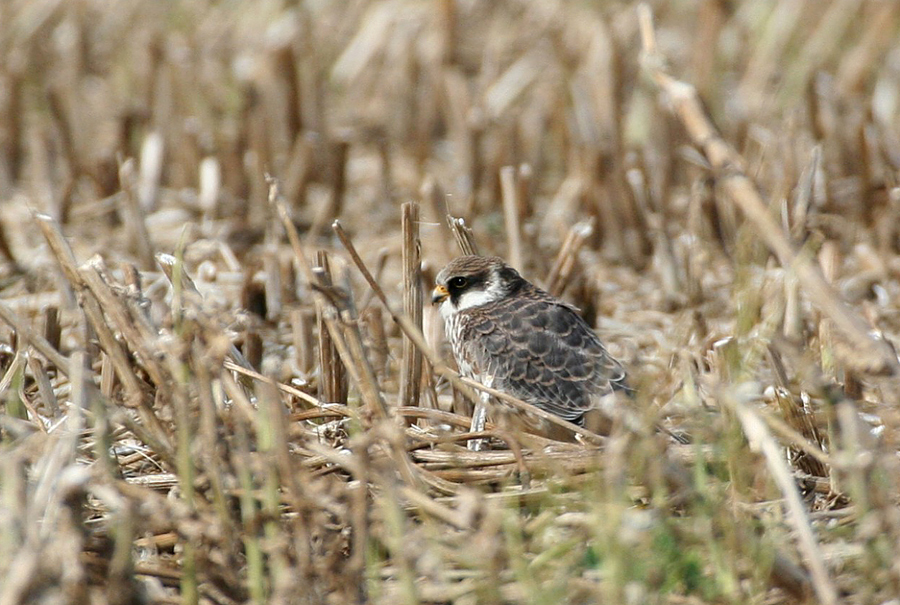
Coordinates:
x,y
543,352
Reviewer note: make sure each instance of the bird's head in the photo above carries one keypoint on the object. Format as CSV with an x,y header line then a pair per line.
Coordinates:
x,y
473,281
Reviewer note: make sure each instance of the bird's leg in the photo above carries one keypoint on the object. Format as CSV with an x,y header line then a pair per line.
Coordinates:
x,y
478,419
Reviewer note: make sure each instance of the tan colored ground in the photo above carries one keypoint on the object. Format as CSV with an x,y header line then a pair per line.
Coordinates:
x,y
742,262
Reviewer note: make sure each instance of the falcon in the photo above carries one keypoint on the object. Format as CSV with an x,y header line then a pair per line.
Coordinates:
x,y
508,334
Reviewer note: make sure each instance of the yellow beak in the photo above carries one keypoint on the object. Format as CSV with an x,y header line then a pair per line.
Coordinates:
x,y
439,294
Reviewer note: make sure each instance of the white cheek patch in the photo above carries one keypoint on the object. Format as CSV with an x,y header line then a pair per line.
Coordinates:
x,y
468,300
476,298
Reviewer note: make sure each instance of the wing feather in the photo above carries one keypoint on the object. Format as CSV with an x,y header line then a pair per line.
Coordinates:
x,y
540,350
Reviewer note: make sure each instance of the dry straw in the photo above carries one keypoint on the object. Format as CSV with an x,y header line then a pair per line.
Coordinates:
x,y
219,386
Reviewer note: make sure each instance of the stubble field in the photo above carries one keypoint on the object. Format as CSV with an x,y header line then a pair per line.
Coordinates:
x,y
205,399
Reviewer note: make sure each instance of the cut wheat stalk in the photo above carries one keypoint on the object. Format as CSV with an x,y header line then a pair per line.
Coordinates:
x,y
135,394
411,360
727,165
332,372
509,187
760,439
462,233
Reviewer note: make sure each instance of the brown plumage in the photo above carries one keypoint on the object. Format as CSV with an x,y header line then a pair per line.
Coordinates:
x,y
511,335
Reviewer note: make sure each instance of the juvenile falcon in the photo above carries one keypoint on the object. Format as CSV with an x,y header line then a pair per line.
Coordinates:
x,y
508,334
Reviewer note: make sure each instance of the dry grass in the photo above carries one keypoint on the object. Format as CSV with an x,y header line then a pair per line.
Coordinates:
x,y
211,393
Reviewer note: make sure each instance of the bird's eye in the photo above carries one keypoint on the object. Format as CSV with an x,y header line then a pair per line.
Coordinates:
x,y
457,283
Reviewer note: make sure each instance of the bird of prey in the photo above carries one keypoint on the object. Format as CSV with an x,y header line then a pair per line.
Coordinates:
x,y
510,335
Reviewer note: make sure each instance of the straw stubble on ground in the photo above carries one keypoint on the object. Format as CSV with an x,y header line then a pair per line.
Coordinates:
x,y
220,380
